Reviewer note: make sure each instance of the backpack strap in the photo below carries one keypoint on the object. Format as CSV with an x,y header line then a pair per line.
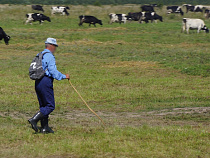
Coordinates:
x,y
42,57
44,54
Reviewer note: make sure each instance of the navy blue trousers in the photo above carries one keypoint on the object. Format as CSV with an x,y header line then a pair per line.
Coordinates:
x,y
45,95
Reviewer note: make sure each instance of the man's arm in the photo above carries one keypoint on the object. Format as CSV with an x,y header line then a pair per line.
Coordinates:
x,y
53,70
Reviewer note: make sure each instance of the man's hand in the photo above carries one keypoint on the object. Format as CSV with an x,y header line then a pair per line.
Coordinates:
x,y
67,76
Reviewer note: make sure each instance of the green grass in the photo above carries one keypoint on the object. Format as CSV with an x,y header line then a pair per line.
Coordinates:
x,y
118,69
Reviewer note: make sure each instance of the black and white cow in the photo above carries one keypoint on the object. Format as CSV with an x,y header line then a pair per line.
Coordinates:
x,y
134,16
207,13
4,36
89,19
147,8
151,16
120,18
193,24
174,9
191,8
37,7
60,9
32,17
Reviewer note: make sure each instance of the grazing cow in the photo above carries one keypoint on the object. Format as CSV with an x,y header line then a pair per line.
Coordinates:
x,y
32,17
207,13
151,16
37,7
117,18
4,36
174,9
147,8
60,9
89,19
134,16
193,24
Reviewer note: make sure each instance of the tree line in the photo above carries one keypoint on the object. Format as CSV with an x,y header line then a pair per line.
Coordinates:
x,y
104,2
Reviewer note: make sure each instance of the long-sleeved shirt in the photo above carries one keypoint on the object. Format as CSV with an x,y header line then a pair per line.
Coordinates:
x,y
49,65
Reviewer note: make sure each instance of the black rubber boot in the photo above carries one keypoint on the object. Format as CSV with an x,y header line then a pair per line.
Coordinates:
x,y
45,128
33,121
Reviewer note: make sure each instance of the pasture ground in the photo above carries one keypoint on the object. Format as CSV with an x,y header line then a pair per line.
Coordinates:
x,y
149,83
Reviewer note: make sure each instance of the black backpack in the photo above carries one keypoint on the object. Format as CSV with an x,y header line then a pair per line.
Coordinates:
x,y
36,72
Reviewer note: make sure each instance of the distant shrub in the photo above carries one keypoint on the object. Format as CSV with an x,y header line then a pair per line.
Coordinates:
x,y
160,5
97,3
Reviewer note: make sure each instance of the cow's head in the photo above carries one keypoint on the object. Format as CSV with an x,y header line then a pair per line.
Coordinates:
x,y
67,8
65,11
48,19
161,18
206,29
100,22
43,17
181,12
6,39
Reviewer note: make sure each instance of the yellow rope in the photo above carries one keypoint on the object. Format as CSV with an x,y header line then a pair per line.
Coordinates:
x,y
85,102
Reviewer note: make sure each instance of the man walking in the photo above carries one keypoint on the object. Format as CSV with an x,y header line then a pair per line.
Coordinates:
x,y
44,87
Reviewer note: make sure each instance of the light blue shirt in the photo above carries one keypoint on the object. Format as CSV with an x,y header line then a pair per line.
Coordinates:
x,y
48,64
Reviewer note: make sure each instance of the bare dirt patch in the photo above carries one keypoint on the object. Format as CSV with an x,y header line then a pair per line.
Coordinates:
x,y
128,119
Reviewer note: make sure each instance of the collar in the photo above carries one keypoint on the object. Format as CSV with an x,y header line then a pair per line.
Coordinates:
x,y
47,50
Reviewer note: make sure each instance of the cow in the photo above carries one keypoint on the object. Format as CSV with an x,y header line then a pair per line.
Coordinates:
x,y
117,18
193,9
193,24
207,13
147,8
89,19
151,16
32,17
60,9
4,36
134,16
37,7
174,9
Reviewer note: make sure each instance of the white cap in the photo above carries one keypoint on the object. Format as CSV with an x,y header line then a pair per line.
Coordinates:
x,y
51,41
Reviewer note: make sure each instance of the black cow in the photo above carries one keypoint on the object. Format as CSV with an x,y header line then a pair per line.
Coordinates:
x,y
32,17
37,7
151,16
134,16
174,9
147,8
89,19
4,36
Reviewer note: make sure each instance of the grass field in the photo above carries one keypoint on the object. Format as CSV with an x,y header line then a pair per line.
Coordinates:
x,y
150,83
